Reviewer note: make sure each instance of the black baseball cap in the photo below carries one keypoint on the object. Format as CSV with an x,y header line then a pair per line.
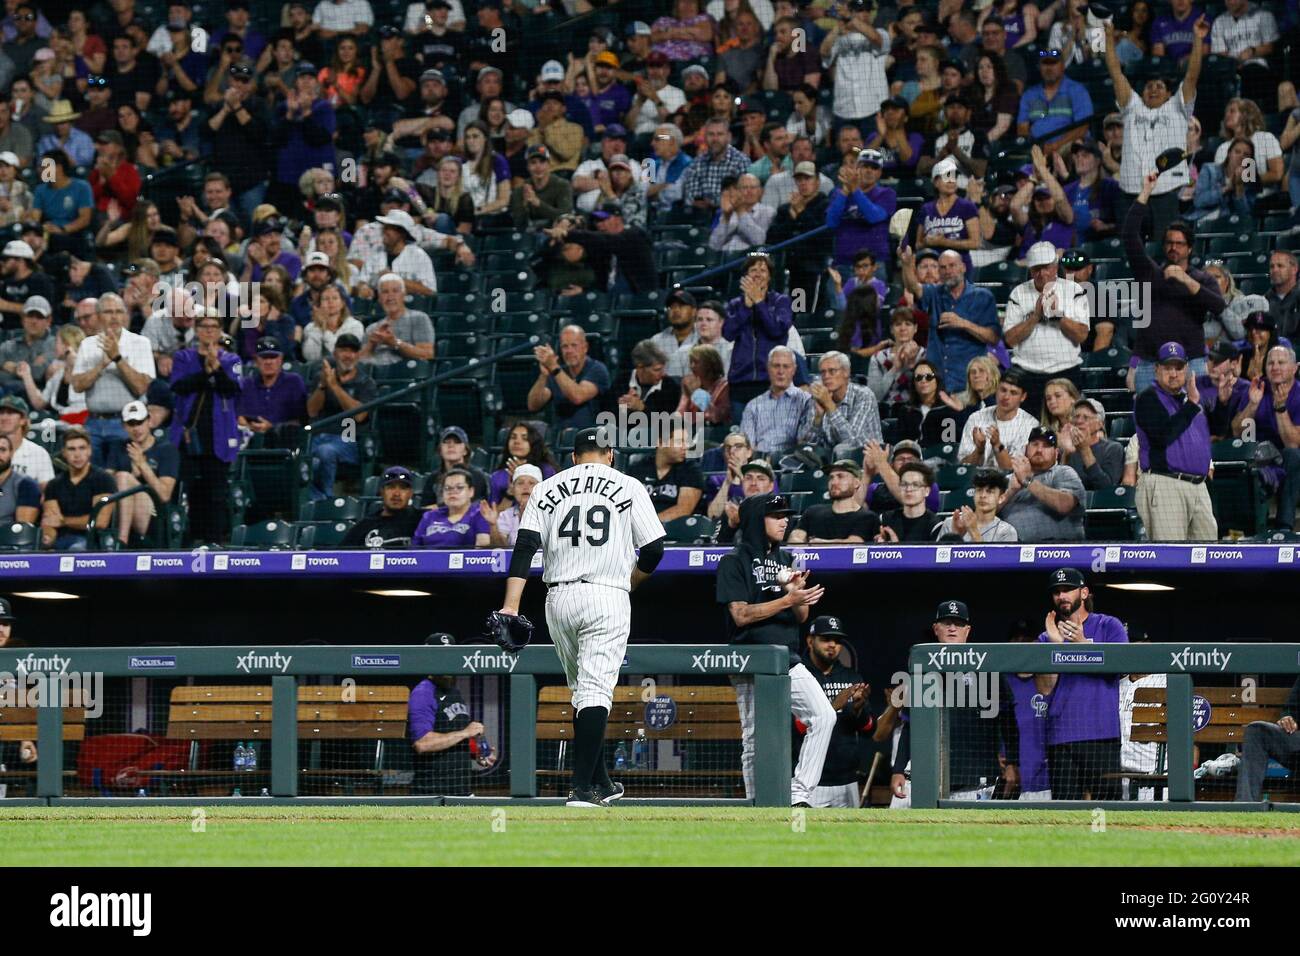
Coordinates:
x,y
269,346
777,505
6,611
828,625
952,611
758,464
1068,578
330,201
456,432
1223,351
440,638
1041,434
165,234
682,296
1075,259
592,439
396,474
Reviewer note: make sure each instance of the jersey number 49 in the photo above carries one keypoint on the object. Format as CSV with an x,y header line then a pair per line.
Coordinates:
x,y
597,520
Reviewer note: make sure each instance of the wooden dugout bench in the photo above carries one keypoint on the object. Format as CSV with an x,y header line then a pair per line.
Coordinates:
x,y
705,733
1229,716
243,713
19,723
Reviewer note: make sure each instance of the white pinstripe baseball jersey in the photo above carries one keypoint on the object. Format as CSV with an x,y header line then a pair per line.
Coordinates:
x,y
590,519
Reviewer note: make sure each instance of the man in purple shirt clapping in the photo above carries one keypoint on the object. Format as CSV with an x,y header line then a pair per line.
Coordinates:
x,y
1082,709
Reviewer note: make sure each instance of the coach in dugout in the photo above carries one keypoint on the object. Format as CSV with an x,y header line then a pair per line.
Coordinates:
x,y
1082,709
848,694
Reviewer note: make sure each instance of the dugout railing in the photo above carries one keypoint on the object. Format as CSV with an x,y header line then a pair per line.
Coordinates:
x,y
284,696
1211,692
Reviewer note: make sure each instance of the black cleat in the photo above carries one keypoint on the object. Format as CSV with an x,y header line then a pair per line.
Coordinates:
x,y
611,794
801,804
589,799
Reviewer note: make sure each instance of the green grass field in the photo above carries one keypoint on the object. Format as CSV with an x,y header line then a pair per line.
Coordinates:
x,y
494,836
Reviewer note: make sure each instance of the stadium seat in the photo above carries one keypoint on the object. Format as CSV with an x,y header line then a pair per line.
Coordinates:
x,y
322,534
945,451
19,536
514,377
469,403
955,477
274,478
332,509
1110,358
692,529
265,536
1235,490
1111,515
518,324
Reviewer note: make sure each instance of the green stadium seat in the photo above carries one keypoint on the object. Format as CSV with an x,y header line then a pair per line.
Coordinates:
x,y
469,403
514,377
523,324
19,536
270,535
1110,358
1235,490
322,534
1111,515
946,451
275,478
692,529
332,509
955,477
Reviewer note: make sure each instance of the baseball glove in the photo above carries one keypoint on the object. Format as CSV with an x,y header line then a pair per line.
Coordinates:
x,y
510,632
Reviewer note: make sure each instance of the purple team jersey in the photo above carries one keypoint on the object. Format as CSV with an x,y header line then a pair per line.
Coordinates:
x,y
436,530
950,226
1031,721
1176,34
1086,706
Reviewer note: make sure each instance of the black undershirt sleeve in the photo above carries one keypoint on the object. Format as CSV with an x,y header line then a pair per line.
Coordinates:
x,y
527,544
650,556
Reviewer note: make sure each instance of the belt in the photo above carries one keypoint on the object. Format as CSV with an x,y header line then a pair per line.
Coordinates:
x,y
1181,476
560,584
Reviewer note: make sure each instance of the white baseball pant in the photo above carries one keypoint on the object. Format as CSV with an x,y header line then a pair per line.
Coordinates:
x,y
845,795
808,702
1031,796
589,624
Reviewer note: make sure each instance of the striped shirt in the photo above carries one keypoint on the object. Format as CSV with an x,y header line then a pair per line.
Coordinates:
x,y
776,423
1231,35
1014,434
1148,133
855,420
860,81
1047,350
340,17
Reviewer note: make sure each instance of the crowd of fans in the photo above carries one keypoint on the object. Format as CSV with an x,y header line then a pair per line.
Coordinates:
x,y
223,224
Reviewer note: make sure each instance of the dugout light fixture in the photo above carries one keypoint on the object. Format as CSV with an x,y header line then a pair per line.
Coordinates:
x,y
1141,586
397,592
48,595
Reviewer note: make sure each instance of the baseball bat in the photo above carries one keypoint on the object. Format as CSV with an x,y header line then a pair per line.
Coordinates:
x,y
865,796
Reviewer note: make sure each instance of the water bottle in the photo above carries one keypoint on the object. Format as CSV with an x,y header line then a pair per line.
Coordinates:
x,y
640,751
250,757
620,756
482,748
266,792
141,793
241,757
236,793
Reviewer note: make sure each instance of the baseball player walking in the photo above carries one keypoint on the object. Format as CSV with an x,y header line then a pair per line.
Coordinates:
x,y
766,602
587,521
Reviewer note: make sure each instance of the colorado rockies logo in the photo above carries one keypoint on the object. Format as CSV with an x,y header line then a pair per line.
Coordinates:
x,y
1039,703
952,608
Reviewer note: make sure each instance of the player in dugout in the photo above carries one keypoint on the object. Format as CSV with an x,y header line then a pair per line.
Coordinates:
x,y
766,601
848,693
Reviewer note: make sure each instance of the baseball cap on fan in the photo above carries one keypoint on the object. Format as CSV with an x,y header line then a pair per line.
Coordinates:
x,y
828,625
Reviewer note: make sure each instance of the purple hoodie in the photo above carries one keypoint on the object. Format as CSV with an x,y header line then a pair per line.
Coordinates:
x,y
755,332
225,429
